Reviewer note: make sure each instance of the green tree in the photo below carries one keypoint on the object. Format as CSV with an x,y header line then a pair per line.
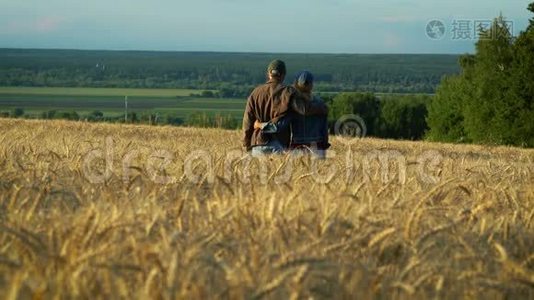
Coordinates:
x,y
72,115
489,111
403,117
365,105
18,112
96,116
174,120
446,109
491,101
48,114
207,94
522,85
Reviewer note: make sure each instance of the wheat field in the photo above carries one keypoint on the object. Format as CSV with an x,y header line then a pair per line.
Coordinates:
x,y
102,211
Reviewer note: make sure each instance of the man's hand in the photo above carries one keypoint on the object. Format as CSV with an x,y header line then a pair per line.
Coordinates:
x,y
257,125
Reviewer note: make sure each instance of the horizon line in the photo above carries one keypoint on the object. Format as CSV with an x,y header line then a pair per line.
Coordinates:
x,y
232,52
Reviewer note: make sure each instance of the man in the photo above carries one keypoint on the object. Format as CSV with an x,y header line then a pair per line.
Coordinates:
x,y
270,103
308,133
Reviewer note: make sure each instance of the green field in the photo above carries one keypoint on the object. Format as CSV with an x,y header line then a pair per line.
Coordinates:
x,y
177,103
82,91
110,101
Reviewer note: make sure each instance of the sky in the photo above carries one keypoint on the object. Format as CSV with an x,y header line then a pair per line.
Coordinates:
x,y
280,26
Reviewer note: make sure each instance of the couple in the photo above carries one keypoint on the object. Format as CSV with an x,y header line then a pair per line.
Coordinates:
x,y
279,117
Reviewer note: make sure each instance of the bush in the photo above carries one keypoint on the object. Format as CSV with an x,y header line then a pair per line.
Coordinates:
x,y
207,94
70,115
96,116
403,117
48,114
18,112
173,120
365,105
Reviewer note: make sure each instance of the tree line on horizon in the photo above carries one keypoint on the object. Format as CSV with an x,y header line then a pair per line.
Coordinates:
x,y
231,74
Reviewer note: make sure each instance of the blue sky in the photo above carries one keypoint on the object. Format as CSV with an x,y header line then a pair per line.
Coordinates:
x,y
304,26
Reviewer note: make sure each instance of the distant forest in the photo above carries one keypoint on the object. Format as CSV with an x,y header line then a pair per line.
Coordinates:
x,y
231,74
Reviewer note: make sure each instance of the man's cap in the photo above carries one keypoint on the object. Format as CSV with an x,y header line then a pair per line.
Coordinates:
x,y
304,78
277,68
